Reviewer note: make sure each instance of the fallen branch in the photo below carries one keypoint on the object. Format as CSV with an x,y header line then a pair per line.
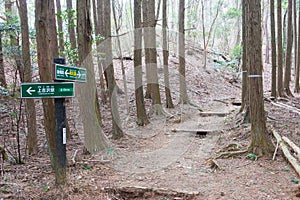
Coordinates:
x,y
230,154
293,145
286,153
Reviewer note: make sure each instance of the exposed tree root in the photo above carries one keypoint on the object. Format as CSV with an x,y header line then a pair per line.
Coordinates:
x,y
230,154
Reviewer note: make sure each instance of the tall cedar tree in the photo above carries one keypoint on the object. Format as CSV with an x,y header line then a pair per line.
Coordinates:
x,y
279,50
30,105
260,143
142,118
110,76
61,42
71,29
2,72
169,102
274,52
297,74
45,58
245,88
184,99
288,55
94,139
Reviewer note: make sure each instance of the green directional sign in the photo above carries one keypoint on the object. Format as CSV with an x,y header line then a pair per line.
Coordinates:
x,y
47,90
67,73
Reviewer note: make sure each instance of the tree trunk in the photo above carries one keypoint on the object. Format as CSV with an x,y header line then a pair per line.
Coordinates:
x,y
260,143
297,87
45,68
120,55
203,33
169,102
146,28
266,23
30,105
53,30
71,24
295,32
109,68
142,118
245,88
94,138
279,49
181,50
2,72
98,28
151,63
274,52
288,55
14,40
60,30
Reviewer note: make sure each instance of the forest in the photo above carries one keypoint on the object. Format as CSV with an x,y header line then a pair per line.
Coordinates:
x,y
149,99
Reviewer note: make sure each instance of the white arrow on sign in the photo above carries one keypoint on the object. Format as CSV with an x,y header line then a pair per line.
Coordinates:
x,y
79,74
67,73
29,90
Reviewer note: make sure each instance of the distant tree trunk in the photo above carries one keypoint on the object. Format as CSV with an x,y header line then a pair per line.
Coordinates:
x,y
238,25
297,87
245,88
30,105
14,39
53,29
151,63
295,32
120,55
109,68
99,32
169,102
203,33
142,118
274,52
146,29
71,24
288,55
44,55
260,143
266,21
60,29
2,72
94,139
181,51
279,49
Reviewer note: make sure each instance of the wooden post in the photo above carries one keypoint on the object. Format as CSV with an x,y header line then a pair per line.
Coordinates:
x,y
60,136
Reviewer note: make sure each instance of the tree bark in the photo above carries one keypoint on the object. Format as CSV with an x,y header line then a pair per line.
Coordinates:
x,y
71,30
142,118
60,30
266,23
169,102
279,49
151,63
288,55
245,88
297,73
181,51
30,105
109,68
94,138
274,52
52,29
260,143
99,32
2,71
45,58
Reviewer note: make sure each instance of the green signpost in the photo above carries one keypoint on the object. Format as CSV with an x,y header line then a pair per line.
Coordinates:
x,y
66,73
47,90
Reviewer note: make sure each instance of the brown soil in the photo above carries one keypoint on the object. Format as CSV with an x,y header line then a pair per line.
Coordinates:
x,y
154,162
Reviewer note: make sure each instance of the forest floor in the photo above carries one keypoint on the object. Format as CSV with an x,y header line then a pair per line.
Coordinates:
x,y
156,162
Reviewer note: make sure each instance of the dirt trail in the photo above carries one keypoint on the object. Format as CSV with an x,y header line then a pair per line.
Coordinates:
x,y
175,154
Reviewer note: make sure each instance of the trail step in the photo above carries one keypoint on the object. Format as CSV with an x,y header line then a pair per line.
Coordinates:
x,y
209,114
